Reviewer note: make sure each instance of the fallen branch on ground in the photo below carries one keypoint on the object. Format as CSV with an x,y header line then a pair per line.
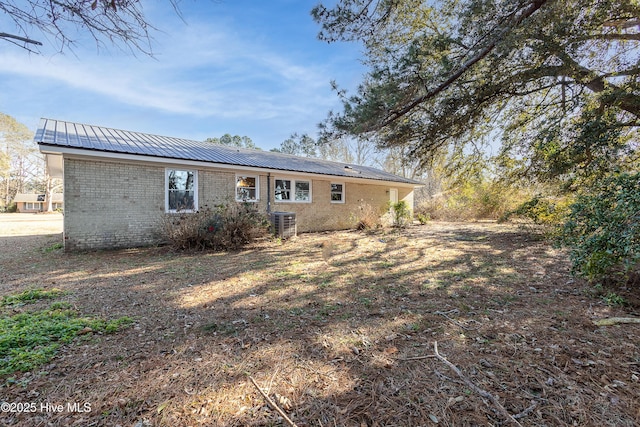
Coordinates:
x,y
273,404
455,322
527,411
616,320
408,359
474,387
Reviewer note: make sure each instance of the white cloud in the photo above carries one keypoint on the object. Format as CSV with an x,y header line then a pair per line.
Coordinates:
x,y
198,72
222,72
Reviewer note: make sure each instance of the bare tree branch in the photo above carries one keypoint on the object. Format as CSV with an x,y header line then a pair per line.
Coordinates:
x,y
121,22
622,23
22,39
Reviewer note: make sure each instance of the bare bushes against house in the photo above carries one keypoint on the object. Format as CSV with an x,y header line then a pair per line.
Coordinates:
x,y
228,226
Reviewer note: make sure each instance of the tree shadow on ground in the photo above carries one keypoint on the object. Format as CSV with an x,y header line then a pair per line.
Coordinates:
x,y
339,336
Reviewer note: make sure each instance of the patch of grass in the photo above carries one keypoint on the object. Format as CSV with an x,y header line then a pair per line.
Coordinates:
x,y
54,247
413,327
322,280
328,309
223,328
505,299
296,311
612,299
31,338
346,315
367,302
383,265
30,295
111,326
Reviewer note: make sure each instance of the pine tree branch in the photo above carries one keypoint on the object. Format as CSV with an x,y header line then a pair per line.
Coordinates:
x,y
474,387
515,20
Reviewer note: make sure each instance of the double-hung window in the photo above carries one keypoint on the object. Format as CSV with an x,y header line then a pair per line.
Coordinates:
x,y
181,190
290,190
283,190
337,192
246,188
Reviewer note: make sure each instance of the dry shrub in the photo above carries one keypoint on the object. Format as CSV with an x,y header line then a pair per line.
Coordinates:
x,y
224,227
367,217
471,202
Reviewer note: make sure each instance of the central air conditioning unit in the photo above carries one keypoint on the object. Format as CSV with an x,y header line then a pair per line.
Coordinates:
x,y
284,224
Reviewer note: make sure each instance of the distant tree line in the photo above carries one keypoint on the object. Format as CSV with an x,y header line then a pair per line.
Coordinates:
x,y
234,141
22,166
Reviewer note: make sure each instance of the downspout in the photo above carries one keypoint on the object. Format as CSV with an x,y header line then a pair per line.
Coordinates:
x,y
269,193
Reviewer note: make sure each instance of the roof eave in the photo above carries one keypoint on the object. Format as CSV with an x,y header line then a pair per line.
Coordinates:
x,y
53,149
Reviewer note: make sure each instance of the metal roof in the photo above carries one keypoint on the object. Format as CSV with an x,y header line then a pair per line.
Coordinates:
x,y
98,139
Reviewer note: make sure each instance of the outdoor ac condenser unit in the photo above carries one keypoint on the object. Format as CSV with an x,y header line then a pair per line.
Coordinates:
x,y
284,224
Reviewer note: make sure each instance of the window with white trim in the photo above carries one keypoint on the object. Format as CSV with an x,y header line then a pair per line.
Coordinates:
x,y
292,190
181,190
34,206
246,188
282,190
337,192
303,191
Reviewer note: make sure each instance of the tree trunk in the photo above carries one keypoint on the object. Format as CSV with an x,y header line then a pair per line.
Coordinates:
x,y
48,194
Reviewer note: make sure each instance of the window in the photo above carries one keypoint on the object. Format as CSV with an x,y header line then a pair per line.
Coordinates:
x,y
337,192
182,194
246,188
34,206
301,190
283,189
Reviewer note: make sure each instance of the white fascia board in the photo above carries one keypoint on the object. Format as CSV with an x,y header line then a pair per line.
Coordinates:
x,y
55,165
79,153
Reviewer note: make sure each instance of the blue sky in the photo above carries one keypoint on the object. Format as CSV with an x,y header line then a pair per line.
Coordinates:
x,y
234,66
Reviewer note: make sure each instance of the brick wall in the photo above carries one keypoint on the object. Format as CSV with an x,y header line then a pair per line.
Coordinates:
x,y
113,205
215,187
322,215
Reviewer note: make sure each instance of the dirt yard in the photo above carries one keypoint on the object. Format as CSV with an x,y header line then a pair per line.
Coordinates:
x,y
337,328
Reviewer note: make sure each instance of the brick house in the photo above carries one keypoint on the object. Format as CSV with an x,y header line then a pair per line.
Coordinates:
x,y
27,202
118,184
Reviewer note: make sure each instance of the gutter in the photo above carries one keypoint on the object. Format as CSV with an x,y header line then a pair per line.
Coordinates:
x,y
103,155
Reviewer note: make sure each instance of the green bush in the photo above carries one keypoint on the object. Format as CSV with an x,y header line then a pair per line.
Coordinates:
x,y
547,213
224,227
11,208
423,218
603,229
401,214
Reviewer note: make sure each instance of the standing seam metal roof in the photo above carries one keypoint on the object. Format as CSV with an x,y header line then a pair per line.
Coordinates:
x,y
101,139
